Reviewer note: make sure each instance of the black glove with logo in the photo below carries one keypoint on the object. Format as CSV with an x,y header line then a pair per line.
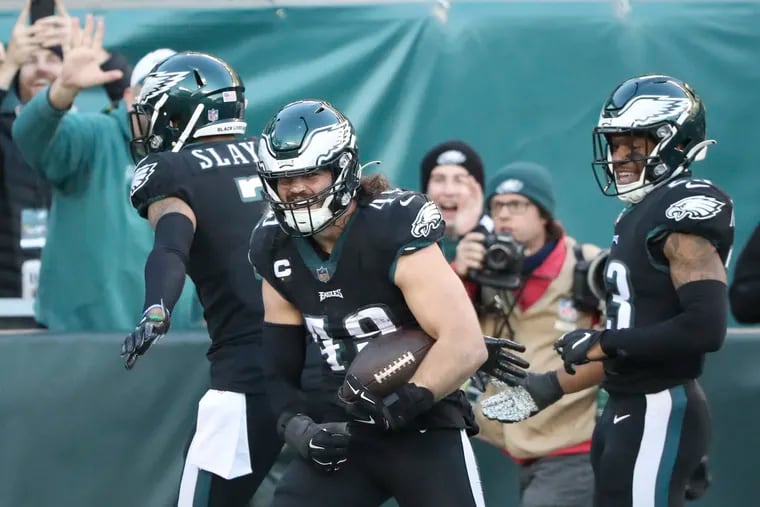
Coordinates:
x,y
574,347
324,445
390,413
501,364
151,328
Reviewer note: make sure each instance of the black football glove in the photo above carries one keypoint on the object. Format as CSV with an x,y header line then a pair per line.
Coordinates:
x,y
323,445
150,329
574,347
390,413
544,388
501,364
478,382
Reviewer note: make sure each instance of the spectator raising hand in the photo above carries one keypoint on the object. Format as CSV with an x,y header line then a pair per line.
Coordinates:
x,y
470,207
20,48
81,63
85,158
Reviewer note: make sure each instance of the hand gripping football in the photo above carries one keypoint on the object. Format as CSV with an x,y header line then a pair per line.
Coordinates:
x,y
389,361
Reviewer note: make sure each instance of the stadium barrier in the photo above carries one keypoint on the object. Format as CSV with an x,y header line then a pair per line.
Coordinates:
x,y
80,430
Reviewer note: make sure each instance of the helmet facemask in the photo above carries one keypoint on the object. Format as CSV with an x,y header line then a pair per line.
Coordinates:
x,y
310,215
656,167
142,120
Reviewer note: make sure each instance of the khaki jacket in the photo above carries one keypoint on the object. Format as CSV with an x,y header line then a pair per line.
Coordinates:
x,y
570,421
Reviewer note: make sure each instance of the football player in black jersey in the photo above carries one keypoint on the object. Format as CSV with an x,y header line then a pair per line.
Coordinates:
x,y
667,299
196,183
346,259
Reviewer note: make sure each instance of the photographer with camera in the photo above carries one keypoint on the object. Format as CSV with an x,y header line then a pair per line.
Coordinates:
x,y
532,284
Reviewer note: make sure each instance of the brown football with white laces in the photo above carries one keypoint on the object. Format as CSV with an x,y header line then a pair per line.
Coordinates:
x,y
389,361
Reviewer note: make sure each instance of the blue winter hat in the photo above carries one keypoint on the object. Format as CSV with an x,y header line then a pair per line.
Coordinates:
x,y
525,178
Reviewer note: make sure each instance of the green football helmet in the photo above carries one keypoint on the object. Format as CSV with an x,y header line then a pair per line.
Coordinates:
x,y
662,108
302,138
186,97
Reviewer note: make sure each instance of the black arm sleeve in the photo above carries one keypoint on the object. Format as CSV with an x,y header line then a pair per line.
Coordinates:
x,y
745,289
698,329
115,89
284,347
166,266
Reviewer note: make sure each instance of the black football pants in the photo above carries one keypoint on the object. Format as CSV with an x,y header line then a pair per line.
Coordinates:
x,y
646,447
432,469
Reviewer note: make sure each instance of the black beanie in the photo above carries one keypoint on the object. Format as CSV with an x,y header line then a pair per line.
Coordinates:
x,y
451,153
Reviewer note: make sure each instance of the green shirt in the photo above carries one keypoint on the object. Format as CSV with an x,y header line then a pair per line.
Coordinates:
x,y
449,247
91,278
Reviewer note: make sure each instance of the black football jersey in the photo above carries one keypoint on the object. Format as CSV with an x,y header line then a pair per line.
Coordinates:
x,y
218,180
349,297
637,276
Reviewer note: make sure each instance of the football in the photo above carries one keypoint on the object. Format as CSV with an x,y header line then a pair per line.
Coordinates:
x,y
390,360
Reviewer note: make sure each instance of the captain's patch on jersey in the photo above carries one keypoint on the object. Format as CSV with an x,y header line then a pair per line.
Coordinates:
x,y
428,218
695,207
142,174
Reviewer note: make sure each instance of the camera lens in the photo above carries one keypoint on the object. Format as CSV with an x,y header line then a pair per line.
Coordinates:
x,y
497,257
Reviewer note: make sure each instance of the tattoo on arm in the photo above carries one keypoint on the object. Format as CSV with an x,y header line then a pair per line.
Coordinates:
x,y
168,205
692,258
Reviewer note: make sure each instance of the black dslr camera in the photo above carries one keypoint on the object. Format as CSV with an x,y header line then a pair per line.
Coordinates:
x,y
502,263
589,292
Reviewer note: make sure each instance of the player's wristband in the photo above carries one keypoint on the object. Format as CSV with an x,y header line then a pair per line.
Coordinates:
x,y
408,402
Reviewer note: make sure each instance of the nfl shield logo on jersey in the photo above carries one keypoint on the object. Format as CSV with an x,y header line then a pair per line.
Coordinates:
x,y
213,114
323,275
